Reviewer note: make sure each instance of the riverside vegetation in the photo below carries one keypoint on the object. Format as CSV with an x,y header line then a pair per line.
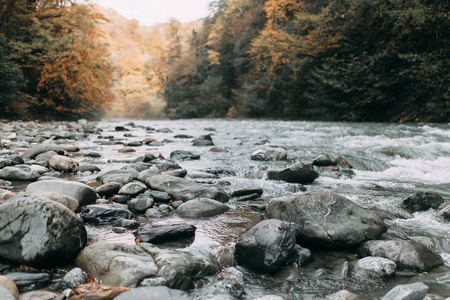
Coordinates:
x,y
352,60
218,210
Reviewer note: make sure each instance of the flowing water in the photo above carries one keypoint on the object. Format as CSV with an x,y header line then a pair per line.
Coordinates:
x,y
390,162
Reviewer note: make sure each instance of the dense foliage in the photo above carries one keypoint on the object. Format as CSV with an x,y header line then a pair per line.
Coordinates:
x,y
358,60
52,61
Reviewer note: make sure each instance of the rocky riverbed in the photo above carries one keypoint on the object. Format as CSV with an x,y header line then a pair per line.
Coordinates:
x,y
223,210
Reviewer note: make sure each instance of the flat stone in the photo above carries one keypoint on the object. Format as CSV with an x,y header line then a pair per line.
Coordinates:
x,y
202,207
413,291
29,281
105,214
164,233
18,174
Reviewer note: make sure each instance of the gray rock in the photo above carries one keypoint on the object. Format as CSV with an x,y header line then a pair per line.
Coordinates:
x,y
153,293
109,189
72,279
325,160
9,285
413,291
62,163
445,212
45,157
298,173
65,200
132,189
160,196
6,294
38,149
271,153
373,268
180,188
137,166
83,193
86,168
165,165
406,254
152,171
266,246
183,155
164,233
39,233
120,176
154,213
103,214
18,174
422,201
202,207
128,265
300,256
327,219
202,141
343,163
177,173
140,205
246,192
164,130
29,281
342,295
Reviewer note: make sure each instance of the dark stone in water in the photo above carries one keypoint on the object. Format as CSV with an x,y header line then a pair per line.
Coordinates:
x,y
183,136
121,128
325,160
246,192
422,201
93,154
221,171
183,155
120,198
326,219
163,233
204,140
29,281
159,196
298,173
109,189
86,168
266,246
105,214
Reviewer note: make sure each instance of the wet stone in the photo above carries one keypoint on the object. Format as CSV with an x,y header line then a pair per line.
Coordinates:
x,y
298,173
132,189
86,168
140,205
109,189
373,268
246,192
325,160
102,214
72,279
413,291
202,207
202,141
29,281
153,293
164,233
183,155
422,201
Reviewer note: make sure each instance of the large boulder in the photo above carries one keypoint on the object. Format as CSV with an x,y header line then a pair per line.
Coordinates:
x,y
39,232
83,193
153,293
184,189
65,200
266,246
129,265
422,201
326,219
203,207
406,254
18,174
297,173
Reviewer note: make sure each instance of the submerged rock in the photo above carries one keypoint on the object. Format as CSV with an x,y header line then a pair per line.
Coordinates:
x,y
202,207
298,173
326,219
266,246
180,188
422,201
39,233
406,254
325,160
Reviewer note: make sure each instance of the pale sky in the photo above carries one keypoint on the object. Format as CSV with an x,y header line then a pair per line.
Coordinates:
x,y
149,12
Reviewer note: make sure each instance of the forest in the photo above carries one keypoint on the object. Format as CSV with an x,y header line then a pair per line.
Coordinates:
x,y
340,60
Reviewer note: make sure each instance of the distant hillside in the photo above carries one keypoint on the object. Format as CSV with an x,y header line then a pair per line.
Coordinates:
x,y
139,54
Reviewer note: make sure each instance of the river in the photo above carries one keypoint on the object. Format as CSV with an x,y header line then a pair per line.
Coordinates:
x,y
390,162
